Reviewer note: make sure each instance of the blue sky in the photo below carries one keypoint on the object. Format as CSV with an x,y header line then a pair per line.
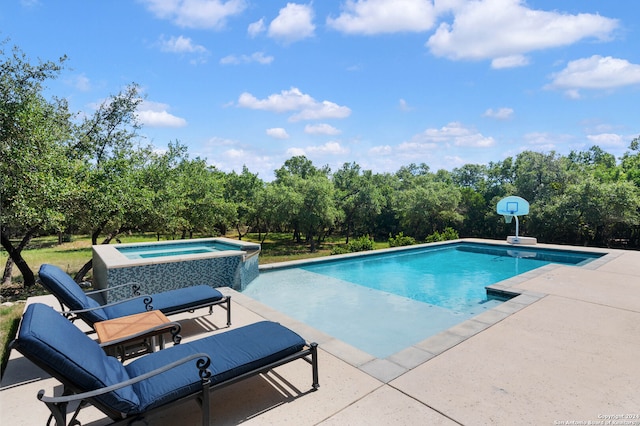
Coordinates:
x,y
383,83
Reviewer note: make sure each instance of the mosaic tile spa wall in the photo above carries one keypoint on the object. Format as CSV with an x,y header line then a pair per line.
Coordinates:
x,y
233,269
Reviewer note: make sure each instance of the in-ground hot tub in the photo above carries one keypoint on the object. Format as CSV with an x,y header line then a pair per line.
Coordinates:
x,y
162,266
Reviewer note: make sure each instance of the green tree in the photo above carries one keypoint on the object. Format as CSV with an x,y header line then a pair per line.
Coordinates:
x,y
386,222
474,210
161,180
630,162
37,178
538,176
278,204
472,176
203,207
589,212
357,197
428,206
595,162
318,211
107,144
241,190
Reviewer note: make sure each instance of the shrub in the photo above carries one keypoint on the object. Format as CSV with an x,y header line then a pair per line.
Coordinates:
x,y
363,243
401,240
339,250
446,235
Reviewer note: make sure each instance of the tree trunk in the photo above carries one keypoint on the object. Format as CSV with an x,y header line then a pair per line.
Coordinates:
x,y
83,271
15,254
8,272
96,233
312,242
266,232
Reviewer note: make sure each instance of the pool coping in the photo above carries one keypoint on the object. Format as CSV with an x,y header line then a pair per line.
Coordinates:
x,y
114,259
395,365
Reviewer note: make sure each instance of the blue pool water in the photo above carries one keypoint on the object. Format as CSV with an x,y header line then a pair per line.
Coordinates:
x,y
143,251
383,303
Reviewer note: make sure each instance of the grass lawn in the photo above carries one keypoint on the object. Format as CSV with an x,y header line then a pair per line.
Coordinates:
x,y
70,256
9,321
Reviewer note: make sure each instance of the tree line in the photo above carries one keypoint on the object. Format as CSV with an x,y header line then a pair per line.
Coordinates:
x,y
63,173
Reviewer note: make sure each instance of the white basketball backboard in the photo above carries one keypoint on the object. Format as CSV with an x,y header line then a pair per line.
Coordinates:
x,y
512,206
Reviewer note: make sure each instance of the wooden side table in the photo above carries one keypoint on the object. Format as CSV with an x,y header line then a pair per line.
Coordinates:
x,y
136,334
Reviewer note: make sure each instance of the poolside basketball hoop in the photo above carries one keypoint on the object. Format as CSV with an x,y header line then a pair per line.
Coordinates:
x,y
512,207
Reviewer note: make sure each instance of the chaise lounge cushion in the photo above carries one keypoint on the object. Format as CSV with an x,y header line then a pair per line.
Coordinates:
x,y
232,353
54,343
168,301
172,301
63,286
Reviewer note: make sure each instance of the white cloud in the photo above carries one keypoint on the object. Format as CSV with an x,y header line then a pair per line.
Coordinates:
x,y
416,145
384,16
217,141
607,140
295,152
404,106
256,28
500,114
504,30
321,129
155,114
331,148
278,133
454,161
196,13
294,100
180,44
293,23
286,100
258,57
510,62
321,111
82,83
596,72
381,150
183,45
235,153
453,133
544,141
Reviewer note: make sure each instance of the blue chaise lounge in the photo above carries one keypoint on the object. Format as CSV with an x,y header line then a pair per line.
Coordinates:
x,y
131,392
90,310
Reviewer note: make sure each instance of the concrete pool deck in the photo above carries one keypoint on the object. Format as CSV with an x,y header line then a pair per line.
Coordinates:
x,y
566,350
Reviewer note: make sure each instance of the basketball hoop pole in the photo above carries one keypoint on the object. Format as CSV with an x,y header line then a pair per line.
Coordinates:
x,y
517,226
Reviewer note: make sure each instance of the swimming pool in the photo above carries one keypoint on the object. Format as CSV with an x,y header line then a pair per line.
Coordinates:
x,y
383,303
